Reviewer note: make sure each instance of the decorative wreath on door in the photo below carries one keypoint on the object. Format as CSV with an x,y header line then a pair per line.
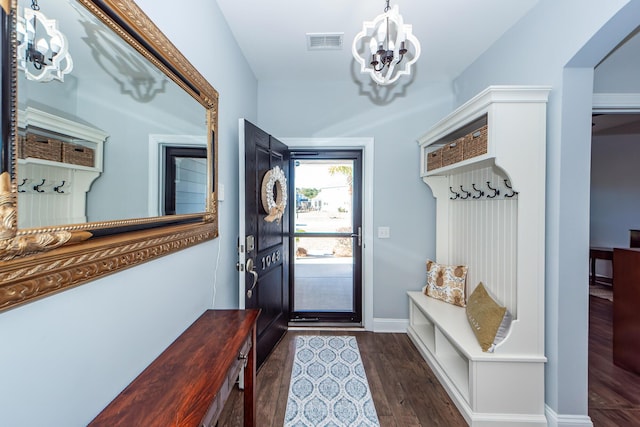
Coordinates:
x,y
274,194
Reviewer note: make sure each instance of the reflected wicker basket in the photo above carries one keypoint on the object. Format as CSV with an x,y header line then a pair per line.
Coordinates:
x,y
77,154
39,147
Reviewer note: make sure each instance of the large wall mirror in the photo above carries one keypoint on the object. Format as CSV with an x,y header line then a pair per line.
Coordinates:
x,y
96,101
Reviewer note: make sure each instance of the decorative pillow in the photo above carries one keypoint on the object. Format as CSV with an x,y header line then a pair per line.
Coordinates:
x,y
446,282
489,321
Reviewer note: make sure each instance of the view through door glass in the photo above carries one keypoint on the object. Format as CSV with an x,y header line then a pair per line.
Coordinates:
x,y
326,260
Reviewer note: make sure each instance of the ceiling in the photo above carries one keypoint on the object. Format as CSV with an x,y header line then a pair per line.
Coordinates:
x,y
452,33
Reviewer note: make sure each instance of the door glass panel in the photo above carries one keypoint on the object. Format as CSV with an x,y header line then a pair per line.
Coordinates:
x,y
327,219
324,196
323,271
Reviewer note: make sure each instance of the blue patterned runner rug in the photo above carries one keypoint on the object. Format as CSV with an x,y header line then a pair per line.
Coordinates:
x,y
328,386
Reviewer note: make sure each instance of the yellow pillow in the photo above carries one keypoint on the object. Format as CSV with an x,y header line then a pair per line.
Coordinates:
x,y
446,282
490,321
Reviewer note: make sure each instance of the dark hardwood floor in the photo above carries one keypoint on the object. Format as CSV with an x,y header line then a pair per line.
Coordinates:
x,y
405,391
614,393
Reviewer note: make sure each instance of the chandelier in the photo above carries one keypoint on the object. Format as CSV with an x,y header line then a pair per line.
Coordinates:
x,y
42,49
385,42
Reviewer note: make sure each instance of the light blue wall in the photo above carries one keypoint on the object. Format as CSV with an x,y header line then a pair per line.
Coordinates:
x,y
551,46
401,201
618,73
66,356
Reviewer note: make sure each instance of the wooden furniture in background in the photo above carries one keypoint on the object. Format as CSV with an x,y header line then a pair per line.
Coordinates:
x,y
490,216
188,384
634,238
626,316
598,253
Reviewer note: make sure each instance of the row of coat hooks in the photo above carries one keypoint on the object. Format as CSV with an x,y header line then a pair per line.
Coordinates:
x,y
475,193
43,186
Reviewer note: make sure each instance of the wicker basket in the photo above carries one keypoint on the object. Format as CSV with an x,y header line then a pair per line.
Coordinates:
x,y
40,147
452,152
21,141
475,143
434,159
77,154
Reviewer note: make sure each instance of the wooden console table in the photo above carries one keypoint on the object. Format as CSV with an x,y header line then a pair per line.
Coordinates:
x,y
598,253
626,317
189,382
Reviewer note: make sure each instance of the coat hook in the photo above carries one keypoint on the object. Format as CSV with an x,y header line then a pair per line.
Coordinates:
x,y
58,187
495,191
513,193
466,192
24,181
453,192
37,187
480,192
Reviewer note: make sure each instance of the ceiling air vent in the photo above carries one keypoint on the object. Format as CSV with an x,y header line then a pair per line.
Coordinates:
x,y
324,41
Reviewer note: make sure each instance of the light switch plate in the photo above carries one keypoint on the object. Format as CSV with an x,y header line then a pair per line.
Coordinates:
x,y
384,232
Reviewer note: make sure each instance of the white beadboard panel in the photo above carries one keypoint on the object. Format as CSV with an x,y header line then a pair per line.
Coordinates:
x,y
483,233
45,206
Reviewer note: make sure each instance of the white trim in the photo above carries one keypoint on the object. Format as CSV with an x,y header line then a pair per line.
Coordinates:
x,y
156,183
366,145
616,102
555,420
396,326
241,213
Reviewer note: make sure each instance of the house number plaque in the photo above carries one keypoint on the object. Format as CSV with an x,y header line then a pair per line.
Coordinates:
x,y
270,259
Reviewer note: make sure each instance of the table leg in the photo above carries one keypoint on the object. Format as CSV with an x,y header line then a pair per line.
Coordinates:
x,y
249,385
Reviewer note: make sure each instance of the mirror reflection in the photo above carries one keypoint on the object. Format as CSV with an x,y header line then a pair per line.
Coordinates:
x,y
97,125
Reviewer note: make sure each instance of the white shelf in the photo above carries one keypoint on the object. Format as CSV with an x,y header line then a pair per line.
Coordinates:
x,y
43,162
67,130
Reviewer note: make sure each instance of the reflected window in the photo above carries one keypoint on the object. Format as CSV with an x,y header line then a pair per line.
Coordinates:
x,y
185,180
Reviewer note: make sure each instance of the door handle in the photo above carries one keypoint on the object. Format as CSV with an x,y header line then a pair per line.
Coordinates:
x,y
250,269
358,235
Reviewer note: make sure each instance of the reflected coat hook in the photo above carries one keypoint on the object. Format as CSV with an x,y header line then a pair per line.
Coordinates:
x,y
480,192
37,187
495,191
467,194
58,187
453,192
513,193
24,181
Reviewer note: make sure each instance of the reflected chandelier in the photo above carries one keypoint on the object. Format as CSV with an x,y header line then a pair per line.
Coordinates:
x,y
385,42
43,52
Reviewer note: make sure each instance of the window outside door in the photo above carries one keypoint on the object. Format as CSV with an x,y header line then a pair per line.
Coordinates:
x,y
326,258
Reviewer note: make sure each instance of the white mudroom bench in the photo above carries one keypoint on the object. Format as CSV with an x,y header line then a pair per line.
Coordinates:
x,y
490,217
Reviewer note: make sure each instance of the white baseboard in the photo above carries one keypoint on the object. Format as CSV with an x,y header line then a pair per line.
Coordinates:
x,y
556,420
390,325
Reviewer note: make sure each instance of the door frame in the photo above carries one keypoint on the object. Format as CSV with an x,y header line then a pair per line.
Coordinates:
x,y
366,146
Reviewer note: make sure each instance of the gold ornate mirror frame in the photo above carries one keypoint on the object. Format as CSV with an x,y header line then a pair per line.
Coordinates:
x,y
38,262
